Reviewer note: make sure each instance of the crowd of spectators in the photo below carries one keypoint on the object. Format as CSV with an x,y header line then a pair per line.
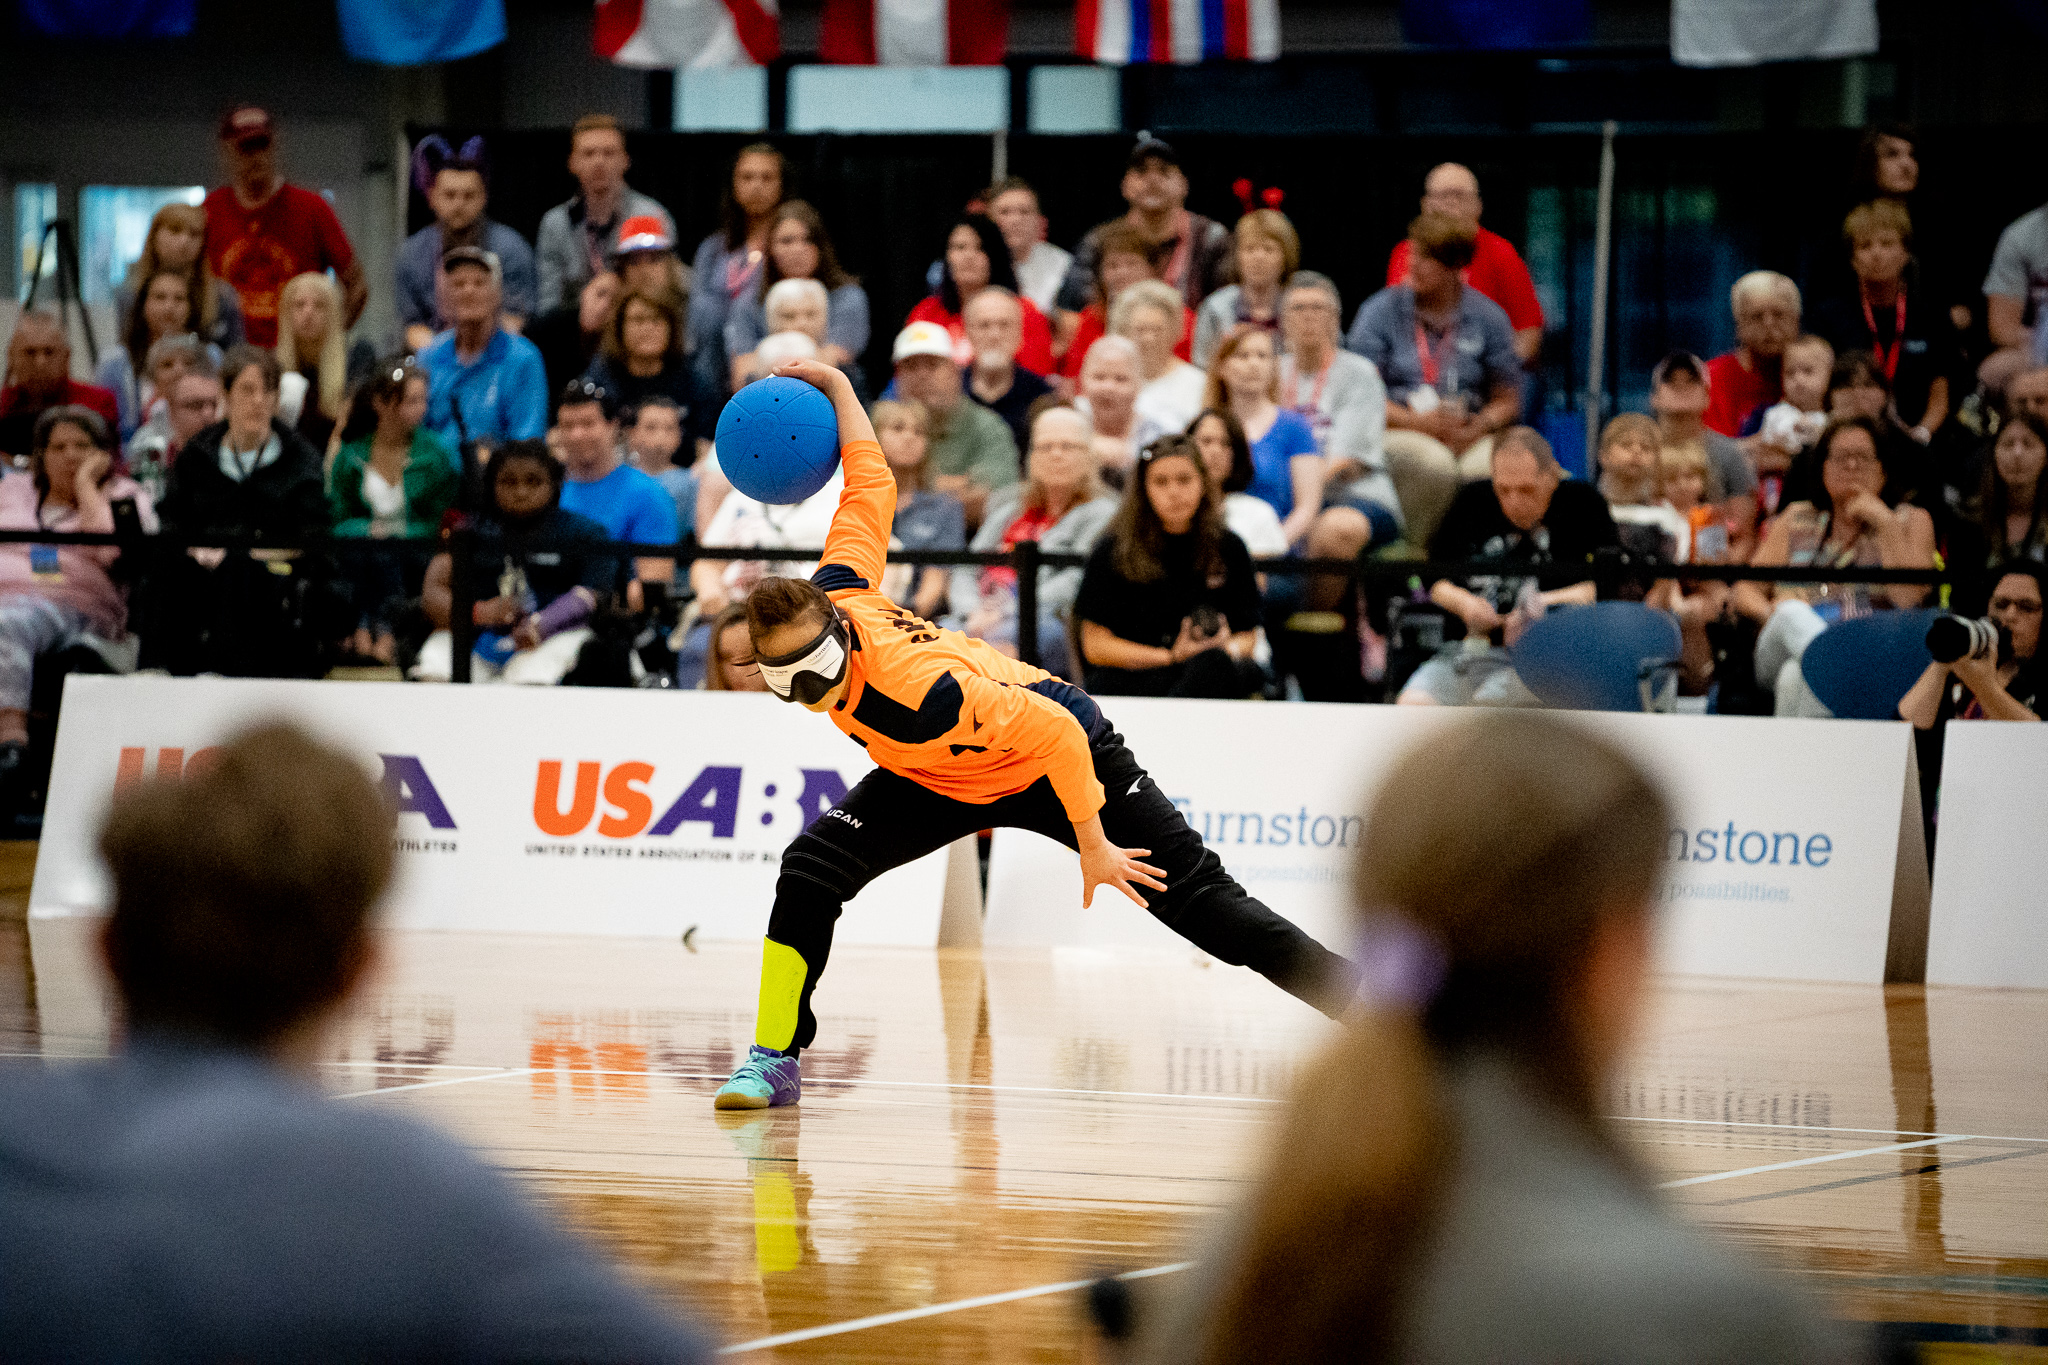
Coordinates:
x,y
1178,402
1169,397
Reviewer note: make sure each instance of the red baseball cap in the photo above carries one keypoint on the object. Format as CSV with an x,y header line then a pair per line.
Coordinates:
x,y
643,233
248,126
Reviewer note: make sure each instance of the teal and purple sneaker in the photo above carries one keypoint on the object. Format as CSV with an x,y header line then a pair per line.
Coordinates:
x,y
765,1080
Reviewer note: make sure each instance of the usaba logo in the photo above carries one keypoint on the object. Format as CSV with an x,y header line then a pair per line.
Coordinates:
x,y
619,802
404,777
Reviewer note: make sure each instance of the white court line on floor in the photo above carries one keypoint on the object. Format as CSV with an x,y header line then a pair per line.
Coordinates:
x,y
1146,1095
429,1085
1811,1161
492,1072
1789,1127
834,1329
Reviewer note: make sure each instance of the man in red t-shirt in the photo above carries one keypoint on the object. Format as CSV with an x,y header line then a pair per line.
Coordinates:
x,y
1496,270
1767,307
39,378
260,231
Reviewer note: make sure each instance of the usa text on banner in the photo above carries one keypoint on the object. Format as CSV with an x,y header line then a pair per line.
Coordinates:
x,y
1120,32
1794,852
692,34
527,810
914,32
1989,925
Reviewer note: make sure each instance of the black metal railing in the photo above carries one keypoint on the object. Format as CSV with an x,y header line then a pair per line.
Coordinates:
x,y
464,544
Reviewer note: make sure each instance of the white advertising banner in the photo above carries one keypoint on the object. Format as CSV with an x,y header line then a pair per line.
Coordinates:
x,y
1792,840
544,810
1989,925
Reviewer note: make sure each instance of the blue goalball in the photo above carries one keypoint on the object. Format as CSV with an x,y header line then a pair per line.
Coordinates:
x,y
778,440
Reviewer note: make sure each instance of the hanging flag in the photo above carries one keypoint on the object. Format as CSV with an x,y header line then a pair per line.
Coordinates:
x,y
1118,32
692,34
1497,25
1746,32
420,32
106,19
915,32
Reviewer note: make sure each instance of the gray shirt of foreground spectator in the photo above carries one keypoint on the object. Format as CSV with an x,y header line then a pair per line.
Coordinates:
x,y
2019,267
1550,1249
182,1203
1481,353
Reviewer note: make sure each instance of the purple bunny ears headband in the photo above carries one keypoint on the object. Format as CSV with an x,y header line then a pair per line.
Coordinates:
x,y
1400,965
434,153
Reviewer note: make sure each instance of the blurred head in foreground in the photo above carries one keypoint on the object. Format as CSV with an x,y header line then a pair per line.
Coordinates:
x,y
1505,878
1443,1186
194,1198
243,890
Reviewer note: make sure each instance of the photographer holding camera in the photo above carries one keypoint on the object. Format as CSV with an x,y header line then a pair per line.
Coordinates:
x,y
1989,669
1169,606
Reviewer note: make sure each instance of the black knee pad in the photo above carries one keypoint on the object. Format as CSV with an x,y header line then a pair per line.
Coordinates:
x,y
813,865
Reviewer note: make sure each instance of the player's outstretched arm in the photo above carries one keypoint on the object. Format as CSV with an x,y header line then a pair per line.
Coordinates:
x,y
1104,864
857,546
853,419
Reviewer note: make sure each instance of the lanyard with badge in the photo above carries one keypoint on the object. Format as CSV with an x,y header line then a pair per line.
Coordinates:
x,y
1319,421
42,559
246,463
1887,360
1426,396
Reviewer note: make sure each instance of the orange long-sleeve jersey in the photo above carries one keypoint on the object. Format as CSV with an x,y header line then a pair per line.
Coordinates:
x,y
943,710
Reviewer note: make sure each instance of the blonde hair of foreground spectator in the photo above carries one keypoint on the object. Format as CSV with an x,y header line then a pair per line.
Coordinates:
x,y
293,352
1525,850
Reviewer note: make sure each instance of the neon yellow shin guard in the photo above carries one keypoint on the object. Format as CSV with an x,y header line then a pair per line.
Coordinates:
x,y
782,986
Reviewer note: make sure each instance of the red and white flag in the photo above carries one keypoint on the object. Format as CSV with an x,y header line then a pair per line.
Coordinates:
x,y
1119,32
915,32
691,34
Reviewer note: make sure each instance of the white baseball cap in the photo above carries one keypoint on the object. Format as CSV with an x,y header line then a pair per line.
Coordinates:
x,y
923,338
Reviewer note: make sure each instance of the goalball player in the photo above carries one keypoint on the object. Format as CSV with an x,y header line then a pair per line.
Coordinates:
x,y
964,739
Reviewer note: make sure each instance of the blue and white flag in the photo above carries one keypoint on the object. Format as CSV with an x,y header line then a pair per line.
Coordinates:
x,y
109,19
420,32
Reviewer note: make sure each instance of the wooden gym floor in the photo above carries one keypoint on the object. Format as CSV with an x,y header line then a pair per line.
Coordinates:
x,y
979,1130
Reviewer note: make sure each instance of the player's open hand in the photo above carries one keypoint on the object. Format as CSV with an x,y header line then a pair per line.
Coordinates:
x,y
817,374
1104,864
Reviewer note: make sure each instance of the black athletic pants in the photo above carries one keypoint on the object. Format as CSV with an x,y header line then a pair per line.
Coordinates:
x,y
888,820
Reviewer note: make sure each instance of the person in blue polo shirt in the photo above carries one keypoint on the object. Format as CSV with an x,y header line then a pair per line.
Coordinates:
x,y
629,503
484,383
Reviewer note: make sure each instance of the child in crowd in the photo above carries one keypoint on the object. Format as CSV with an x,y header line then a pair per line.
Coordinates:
x,y
1632,481
1694,602
1793,424
1684,468
654,440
